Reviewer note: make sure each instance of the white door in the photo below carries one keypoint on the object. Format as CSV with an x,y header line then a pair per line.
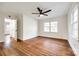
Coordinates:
x,y
10,31
11,28
14,29
7,32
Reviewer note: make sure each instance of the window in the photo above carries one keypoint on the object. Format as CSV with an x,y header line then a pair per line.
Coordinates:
x,y
74,23
46,27
54,26
50,26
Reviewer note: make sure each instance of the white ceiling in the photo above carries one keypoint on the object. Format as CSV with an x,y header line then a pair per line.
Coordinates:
x,y
58,8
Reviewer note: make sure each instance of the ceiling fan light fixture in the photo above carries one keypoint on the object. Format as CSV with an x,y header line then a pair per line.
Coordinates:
x,y
41,15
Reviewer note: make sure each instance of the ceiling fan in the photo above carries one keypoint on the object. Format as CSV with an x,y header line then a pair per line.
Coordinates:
x,y
41,12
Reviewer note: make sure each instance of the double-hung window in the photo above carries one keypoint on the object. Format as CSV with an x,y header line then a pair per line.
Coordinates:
x,y
51,26
74,23
46,27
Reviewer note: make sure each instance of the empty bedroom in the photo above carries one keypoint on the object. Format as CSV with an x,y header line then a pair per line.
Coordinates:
x,y
39,28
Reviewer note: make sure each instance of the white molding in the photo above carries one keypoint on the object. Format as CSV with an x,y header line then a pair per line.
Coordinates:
x,y
1,41
76,52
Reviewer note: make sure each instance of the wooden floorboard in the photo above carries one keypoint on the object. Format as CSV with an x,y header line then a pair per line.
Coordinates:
x,y
39,46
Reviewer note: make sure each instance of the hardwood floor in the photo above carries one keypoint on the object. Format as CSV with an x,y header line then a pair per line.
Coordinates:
x,y
38,46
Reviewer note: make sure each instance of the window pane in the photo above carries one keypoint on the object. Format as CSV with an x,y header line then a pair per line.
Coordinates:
x,y
46,29
53,29
75,15
46,24
75,34
75,26
53,23
75,30
54,26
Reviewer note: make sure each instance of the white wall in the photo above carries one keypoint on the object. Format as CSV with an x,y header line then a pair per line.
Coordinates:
x,y
26,26
62,27
20,27
1,28
73,42
29,27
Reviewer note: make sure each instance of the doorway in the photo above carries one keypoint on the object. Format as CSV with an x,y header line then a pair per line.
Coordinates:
x,y
10,31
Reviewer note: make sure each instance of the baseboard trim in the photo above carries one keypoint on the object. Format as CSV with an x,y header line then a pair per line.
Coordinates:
x,y
19,40
1,42
30,38
74,50
53,38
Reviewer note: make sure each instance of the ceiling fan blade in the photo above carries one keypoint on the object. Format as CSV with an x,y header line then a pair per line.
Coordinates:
x,y
47,11
35,13
39,10
45,14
